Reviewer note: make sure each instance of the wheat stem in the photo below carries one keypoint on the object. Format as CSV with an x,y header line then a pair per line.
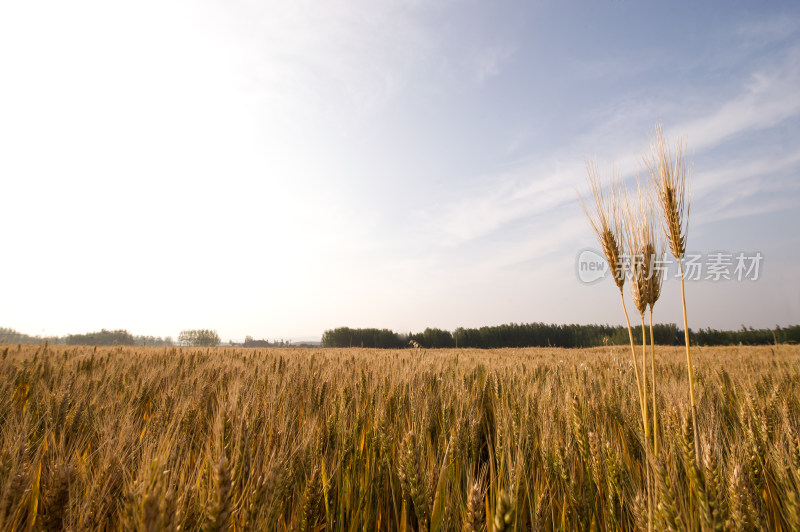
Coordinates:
x,y
689,366
633,356
653,379
646,427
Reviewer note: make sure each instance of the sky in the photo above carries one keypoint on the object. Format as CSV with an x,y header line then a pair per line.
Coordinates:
x,y
276,169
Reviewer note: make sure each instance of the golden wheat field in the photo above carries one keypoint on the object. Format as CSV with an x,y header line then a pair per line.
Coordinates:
x,y
130,438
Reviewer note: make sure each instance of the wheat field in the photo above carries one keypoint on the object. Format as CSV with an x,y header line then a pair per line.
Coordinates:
x,y
132,438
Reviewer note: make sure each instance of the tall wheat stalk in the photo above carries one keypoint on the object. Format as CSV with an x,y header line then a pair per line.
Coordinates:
x,y
669,177
655,280
640,242
606,219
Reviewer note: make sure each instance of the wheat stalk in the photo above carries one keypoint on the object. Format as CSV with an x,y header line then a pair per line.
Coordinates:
x,y
607,220
646,249
669,176
654,249
645,290
639,241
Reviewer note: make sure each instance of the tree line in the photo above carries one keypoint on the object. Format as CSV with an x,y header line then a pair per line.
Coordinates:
x,y
199,338
249,341
747,336
508,335
189,337
102,337
551,335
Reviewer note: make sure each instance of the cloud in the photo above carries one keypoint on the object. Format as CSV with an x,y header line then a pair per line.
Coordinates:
x,y
767,31
769,98
731,175
517,141
746,188
737,207
488,62
733,102
335,58
498,200
540,187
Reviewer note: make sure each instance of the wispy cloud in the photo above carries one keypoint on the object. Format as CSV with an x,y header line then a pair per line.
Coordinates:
x,y
525,191
517,141
757,186
767,31
768,98
342,58
731,175
488,63
542,187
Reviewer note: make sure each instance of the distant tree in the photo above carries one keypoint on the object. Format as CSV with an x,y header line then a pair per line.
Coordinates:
x,y
199,338
437,338
104,337
347,337
152,341
208,338
10,336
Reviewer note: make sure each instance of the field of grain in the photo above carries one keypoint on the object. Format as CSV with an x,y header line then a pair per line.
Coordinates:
x,y
351,439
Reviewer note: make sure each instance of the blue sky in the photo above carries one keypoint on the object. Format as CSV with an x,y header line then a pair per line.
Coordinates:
x,y
276,169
